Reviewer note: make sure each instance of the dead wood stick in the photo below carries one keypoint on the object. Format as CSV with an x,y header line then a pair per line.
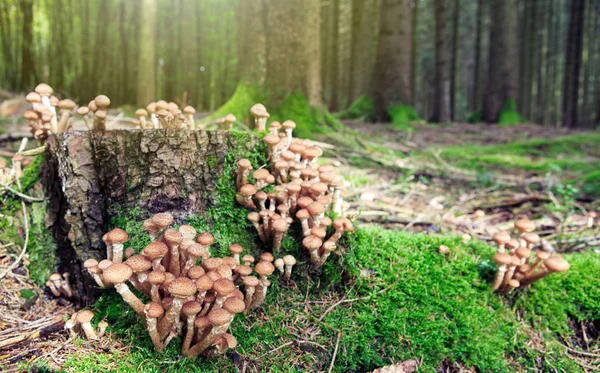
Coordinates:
x,y
24,196
337,345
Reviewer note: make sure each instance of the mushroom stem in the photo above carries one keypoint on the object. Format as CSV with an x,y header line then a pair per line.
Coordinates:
x,y
164,326
189,334
130,298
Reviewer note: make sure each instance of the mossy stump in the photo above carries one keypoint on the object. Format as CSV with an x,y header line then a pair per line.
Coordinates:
x,y
89,176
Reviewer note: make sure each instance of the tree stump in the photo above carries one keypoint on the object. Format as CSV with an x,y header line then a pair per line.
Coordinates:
x,y
90,175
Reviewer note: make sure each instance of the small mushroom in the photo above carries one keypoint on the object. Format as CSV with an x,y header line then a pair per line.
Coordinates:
x,y
84,318
289,262
552,264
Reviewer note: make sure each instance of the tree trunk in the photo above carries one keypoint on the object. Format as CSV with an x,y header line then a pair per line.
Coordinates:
x,y
91,176
314,87
146,90
453,62
362,47
27,61
476,101
501,84
573,64
414,55
441,94
252,41
334,103
391,80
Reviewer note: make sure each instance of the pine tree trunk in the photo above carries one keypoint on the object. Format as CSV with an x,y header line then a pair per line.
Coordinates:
x,y
146,90
27,60
334,103
501,84
91,176
477,91
573,64
314,87
455,56
441,95
391,79
362,46
253,42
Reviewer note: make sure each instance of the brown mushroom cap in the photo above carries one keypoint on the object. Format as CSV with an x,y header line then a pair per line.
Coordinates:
x,y
90,263
234,305
102,101
84,316
288,124
319,232
248,258
259,110
83,110
261,174
157,277
30,115
303,202
272,139
33,97
280,225
302,214
117,273
154,310
188,231
261,196
204,283
173,236
43,89
244,163
312,242
247,190
312,152
104,264
264,268
219,316
223,286
267,257
513,244
556,264
501,237
191,308
189,110
503,258
139,263
244,270
55,277
523,252
514,283
524,225
156,250
251,281
236,248
212,263
66,104
289,260
531,238
315,208
254,217
196,272
202,322
117,235
182,287
205,239
542,255
141,112
197,250
163,219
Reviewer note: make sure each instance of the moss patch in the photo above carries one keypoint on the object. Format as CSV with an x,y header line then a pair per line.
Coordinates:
x,y
403,116
41,247
362,109
509,115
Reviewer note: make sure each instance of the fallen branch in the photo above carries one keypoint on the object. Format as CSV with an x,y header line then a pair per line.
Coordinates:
x,y
15,136
24,196
337,345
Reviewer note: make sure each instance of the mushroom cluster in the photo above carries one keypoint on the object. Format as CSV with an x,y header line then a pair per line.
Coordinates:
x,y
81,322
48,114
198,302
164,114
292,185
59,285
519,264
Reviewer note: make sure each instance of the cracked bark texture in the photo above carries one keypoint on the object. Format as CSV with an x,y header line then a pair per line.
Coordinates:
x,y
90,176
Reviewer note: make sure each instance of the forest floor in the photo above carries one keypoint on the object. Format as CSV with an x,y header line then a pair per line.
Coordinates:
x,y
395,298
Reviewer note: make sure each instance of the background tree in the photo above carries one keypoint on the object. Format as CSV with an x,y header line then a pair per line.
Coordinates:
x,y
391,80
573,63
441,93
147,58
502,79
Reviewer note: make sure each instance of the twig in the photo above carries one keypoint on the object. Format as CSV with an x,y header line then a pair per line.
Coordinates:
x,y
337,345
35,151
24,196
343,300
15,136
276,349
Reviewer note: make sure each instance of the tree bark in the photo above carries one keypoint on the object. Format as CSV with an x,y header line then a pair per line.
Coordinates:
x,y
391,79
252,41
501,83
314,87
91,176
146,90
441,94
453,62
27,61
573,64
362,46
476,101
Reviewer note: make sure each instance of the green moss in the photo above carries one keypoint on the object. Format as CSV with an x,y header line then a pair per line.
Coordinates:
x,y
403,116
240,103
475,117
363,109
41,247
509,115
